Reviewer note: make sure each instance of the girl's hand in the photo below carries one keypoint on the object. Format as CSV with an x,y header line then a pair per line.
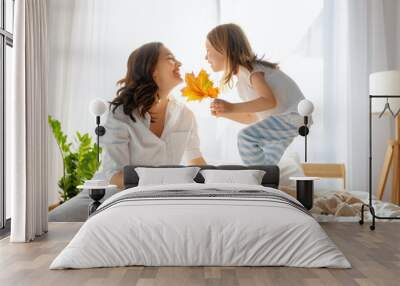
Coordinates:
x,y
219,107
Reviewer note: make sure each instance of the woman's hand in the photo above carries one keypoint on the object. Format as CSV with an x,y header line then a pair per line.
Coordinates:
x,y
118,179
198,161
219,107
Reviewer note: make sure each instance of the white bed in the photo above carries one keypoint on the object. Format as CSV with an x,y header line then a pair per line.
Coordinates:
x,y
188,231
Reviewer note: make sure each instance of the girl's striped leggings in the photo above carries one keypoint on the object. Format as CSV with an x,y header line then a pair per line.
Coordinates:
x,y
264,142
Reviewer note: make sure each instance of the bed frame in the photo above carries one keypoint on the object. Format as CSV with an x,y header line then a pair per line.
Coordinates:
x,y
270,179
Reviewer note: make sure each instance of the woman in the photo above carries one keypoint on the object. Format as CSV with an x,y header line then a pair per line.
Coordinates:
x,y
145,125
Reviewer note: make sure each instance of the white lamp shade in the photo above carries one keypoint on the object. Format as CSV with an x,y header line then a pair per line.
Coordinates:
x,y
384,83
97,107
305,107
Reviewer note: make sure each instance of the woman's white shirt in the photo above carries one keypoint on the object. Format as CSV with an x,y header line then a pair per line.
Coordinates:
x,y
133,143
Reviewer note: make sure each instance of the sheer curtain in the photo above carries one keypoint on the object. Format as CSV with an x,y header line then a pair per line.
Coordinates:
x,y
328,47
27,119
360,37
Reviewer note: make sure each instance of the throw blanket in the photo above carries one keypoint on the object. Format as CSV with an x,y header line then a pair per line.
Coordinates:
x,y
206,194
338,204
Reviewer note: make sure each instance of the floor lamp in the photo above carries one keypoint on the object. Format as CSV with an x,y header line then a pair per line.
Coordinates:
x,y
305,185
305,108
384,85
97,188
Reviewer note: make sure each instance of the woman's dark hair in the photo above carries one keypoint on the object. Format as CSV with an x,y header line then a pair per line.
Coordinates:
x,y
138,89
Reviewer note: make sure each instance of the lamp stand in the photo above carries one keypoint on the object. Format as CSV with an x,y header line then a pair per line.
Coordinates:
x,y
97,194
303,131
100,131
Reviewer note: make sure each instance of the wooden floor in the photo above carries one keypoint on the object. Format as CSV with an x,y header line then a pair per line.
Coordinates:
x,y
375,257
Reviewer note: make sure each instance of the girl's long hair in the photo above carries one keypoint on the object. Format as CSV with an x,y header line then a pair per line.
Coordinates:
x,y
138,89
231,41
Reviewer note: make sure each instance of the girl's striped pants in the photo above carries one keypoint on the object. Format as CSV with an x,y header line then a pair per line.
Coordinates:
x,y
264,142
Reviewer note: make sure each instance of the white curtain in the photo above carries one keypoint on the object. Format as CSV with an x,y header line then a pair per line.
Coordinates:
x,y
328,47
28,122
360,37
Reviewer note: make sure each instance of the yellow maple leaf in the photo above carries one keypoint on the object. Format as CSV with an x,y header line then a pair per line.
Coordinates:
x,y
199,87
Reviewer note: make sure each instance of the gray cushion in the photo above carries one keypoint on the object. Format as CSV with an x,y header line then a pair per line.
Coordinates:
x,y
76,208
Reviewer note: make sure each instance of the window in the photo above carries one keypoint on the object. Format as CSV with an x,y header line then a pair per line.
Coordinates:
x,y
6,44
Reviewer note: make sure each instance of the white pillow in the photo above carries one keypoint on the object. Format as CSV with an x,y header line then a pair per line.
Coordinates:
x,y
248,177
166,176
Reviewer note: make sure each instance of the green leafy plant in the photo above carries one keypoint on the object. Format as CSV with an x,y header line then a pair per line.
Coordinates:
x,y
79,161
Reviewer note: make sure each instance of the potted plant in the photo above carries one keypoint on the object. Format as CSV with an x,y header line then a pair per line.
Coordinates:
x,y
79,159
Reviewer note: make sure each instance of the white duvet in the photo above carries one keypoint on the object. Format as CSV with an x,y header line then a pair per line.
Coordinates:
x,y
200,231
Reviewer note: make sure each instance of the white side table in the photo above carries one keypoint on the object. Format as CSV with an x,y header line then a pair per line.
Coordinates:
x,y
305,190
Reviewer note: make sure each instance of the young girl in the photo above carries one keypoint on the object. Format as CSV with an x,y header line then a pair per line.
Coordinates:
x,y
270,97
